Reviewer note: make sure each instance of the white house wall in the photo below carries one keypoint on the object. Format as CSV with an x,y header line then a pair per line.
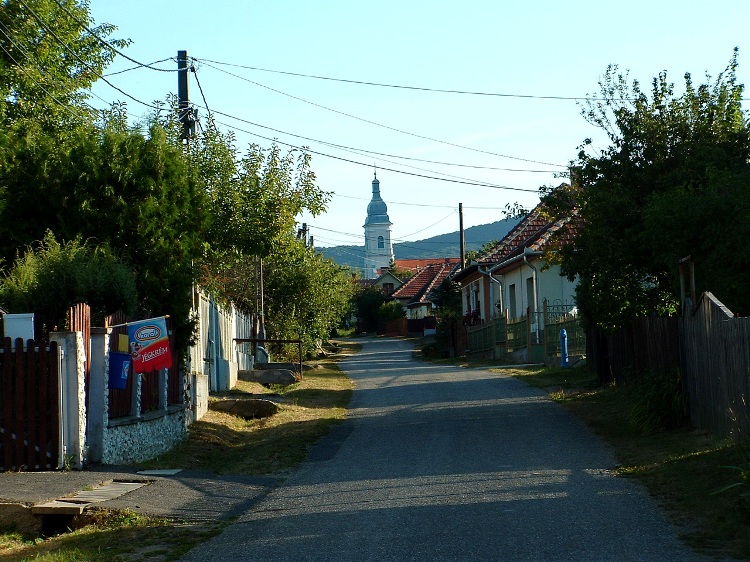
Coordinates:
x,y
552,286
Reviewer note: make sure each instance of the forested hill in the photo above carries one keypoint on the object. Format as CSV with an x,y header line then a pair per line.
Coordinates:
x,y
442,246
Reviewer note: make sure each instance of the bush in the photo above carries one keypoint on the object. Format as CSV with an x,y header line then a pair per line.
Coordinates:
x,y
658,403
391,311
51,277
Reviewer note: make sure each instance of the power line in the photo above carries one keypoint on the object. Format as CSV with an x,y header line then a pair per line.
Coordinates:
x,y
403,87
430,226
139,66
431,139
478,184
67,47
420,204
107,43
358,150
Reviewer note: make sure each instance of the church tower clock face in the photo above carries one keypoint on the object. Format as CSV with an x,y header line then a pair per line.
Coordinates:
x,y
378,244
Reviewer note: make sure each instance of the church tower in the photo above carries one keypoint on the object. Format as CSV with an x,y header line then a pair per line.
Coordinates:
x,y
378,246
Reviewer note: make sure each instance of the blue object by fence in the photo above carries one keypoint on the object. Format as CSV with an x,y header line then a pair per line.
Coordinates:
x,y
564,362
119,366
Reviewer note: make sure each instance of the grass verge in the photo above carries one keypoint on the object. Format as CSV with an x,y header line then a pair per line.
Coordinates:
x,y
218,442
681,467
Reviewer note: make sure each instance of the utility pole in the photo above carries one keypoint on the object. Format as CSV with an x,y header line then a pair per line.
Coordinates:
x,y
184,111
462,242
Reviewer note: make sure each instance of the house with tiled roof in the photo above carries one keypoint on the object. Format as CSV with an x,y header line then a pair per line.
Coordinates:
x,y
514,278
414,294
414,265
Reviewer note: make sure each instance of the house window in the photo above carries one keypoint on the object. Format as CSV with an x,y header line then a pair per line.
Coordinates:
x,y
381,242
512,300
387,288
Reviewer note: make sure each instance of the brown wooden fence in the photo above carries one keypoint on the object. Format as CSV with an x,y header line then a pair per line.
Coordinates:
x,y
716,360
29,406
709,347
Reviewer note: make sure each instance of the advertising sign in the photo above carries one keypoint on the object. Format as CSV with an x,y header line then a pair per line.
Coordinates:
x,y
149,345
119,365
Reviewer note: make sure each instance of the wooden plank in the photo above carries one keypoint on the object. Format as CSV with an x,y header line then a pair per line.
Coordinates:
x,y
53,437
8,413
44,406
33,407
19,376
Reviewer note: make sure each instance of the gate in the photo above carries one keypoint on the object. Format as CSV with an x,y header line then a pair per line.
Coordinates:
x,y
29,406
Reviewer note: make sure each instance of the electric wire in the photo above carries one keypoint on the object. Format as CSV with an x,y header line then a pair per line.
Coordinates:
x,y
404,87
356,150
388,127
107,43
420,204
67,47
139,66
430,226
477,184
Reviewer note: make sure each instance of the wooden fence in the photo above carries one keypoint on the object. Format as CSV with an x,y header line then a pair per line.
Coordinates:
x,y
501,333
29,406
716,367
709,347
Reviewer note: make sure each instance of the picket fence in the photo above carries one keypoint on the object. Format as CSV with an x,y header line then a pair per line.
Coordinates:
x,y
29,408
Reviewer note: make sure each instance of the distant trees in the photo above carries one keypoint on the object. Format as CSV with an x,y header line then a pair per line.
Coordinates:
x,y
674,182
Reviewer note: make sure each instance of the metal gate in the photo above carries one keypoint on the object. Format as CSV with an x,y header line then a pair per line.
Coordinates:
x,y
29,405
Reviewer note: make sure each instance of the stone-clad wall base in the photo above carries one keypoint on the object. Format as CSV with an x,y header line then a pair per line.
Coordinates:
x,y
131,441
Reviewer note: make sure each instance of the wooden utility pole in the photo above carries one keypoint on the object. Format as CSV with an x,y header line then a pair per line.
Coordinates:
x,y
461,234
185,114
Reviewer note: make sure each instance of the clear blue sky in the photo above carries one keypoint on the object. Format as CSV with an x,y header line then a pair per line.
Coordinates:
x,y
543,48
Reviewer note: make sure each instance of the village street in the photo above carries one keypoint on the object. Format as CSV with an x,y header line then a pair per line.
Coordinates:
x,y
445,463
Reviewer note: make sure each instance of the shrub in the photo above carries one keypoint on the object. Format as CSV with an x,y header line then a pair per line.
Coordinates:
x,y
51,277
658,403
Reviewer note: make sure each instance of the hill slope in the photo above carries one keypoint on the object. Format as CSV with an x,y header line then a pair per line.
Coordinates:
x,y
441,246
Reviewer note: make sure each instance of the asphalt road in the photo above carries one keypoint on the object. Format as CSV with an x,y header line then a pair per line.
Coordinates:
x,y
445,463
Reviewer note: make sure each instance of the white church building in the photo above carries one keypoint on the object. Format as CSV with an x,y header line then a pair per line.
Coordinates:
x,y
378,245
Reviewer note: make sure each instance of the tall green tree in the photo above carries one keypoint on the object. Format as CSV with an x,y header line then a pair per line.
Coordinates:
x,y
673,182
306,295
136,193
50,54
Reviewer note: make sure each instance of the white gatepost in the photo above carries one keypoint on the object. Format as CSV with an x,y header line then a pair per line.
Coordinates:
x,y
98,413
72,399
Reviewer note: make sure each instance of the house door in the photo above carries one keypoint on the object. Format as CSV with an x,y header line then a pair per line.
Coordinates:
x,y
29,406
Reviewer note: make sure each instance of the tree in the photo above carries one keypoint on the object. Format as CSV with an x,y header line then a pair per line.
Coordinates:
x,y
51,52
673,182
473,255
135,193
306,295
51,277
392,310
367,302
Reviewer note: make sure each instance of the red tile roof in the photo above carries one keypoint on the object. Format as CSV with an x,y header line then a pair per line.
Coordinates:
x,y
417,288
535,232
415,264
